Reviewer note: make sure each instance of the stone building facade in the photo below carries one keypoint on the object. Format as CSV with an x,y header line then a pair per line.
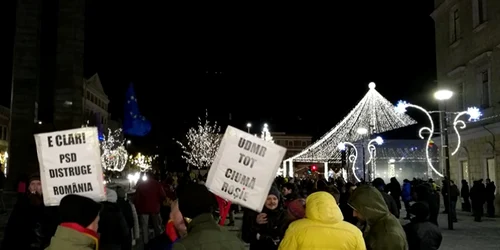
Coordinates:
x,y
294,144
96,101
468,63
61,70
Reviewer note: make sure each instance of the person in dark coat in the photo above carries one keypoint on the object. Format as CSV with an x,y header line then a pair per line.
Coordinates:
x,y
406,196
420,233
113,228
267,226
394,189
465,194
379,184
31,224
424,193
478,197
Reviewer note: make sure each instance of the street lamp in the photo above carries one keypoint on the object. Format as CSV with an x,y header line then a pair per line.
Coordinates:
x,y
443,95
249,125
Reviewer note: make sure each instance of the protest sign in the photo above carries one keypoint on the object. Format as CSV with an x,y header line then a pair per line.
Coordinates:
x,y
70,163
244,168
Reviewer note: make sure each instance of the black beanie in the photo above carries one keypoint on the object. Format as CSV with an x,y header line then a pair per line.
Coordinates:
x,y
275,191
194,200
78,209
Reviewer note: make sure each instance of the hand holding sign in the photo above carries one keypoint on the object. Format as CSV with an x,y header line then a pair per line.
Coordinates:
x,y
70,163
261,218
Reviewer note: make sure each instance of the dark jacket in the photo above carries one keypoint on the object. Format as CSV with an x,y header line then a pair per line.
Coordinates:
x,y
30,225
269,234
406,192
205,233
114,231
382,230
423,235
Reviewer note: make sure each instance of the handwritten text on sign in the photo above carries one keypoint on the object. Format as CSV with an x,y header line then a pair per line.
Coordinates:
x,y
244,168
70,164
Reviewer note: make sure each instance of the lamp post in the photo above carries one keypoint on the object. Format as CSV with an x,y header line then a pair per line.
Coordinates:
x,y
443,95
249,125
474,114
363,131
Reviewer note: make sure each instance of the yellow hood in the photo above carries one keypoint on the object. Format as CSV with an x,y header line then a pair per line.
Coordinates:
x,y
322,207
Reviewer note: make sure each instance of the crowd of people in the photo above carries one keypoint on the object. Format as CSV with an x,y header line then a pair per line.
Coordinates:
x,y
179,212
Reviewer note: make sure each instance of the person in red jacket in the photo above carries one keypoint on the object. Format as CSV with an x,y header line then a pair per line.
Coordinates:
x,y
149,196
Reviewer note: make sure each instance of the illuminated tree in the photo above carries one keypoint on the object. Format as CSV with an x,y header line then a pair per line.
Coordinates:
x,y
201,144
143,162
113,153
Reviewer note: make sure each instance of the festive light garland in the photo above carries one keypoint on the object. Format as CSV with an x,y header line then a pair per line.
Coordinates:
x,y
202,143
371,147
373,111
266,134
352,158
142,161
114,156
401,108
474,115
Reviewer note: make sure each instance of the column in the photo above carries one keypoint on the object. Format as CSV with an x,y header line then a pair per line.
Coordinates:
x,y
25,82
325,164
68,87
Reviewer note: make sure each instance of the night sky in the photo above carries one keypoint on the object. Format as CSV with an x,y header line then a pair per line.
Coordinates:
x,y
300,68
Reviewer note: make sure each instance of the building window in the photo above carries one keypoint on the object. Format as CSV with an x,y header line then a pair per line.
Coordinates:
x,y
484,81
479,12
464,166
454,25
460,96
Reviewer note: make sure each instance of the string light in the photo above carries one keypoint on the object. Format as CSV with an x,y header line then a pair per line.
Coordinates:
x,y
352,158
474,115
371,147
401,108
114,156
373,111
202,143
143,162
266,134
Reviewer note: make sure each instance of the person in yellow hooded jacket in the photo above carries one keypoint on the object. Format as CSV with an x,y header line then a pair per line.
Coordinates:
x,y
322,228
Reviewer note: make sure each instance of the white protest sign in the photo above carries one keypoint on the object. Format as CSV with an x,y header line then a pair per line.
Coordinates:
x,y
244,168
70,163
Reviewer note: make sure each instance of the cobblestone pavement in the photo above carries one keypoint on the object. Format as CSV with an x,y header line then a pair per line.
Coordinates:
x,y
466,235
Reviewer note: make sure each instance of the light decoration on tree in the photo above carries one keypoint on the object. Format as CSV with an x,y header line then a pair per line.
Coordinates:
x,y
401,108
143,162
3,160
474,115
373,111
202,144
352,158
371,147
114,155
266,134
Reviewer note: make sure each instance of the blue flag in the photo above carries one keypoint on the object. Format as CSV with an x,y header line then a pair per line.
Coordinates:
x,y
133,122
